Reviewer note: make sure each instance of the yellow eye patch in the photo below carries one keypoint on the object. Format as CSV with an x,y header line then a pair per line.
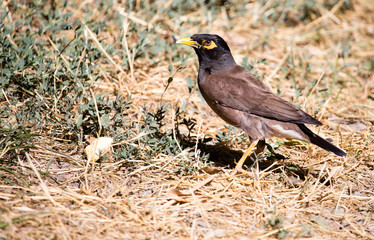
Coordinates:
x,y
209,44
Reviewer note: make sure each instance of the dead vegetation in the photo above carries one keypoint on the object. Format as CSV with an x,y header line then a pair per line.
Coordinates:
x,y
112,69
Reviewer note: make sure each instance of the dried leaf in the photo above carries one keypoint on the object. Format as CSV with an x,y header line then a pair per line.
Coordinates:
x,y
98,147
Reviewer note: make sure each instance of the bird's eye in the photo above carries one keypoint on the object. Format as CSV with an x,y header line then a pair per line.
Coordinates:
x,y
207,43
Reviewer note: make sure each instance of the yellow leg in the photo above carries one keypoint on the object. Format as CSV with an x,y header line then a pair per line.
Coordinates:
x,y
239,165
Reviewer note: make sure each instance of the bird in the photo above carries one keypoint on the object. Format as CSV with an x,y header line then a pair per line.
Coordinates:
x,y
243,101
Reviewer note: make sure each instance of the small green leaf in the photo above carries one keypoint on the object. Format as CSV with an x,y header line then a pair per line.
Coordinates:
x,y
171,68
105,120
79,120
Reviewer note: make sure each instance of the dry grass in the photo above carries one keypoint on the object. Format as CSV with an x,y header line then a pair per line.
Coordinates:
x,y
311,194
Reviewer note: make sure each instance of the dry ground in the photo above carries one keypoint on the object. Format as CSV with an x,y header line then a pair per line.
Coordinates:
x,y
311,194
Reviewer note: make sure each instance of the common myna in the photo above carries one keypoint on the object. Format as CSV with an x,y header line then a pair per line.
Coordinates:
x,y
243,101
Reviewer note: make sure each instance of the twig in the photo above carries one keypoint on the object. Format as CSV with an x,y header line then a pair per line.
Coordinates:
x,y
42,184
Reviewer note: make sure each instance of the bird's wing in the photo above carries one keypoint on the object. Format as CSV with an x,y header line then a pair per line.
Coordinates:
x,y
236,88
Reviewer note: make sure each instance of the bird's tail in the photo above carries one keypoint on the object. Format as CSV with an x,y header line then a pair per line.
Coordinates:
x,y
320,142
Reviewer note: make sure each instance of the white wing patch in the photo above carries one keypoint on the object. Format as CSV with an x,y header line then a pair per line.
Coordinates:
x,y
287,133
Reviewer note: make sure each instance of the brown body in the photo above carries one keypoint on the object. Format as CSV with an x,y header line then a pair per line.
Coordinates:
x,y
242,85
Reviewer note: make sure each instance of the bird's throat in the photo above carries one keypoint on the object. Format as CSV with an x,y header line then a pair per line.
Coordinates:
x,y
208,67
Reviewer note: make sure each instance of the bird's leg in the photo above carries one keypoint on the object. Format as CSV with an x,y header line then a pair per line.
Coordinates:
x,y
239,165
259,149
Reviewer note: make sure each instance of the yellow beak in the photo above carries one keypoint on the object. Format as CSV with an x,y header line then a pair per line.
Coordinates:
x,y
189,42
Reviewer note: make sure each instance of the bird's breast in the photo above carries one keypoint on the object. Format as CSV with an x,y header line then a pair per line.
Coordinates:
x,y
229,115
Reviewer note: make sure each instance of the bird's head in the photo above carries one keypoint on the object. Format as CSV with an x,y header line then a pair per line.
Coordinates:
x,y
212,50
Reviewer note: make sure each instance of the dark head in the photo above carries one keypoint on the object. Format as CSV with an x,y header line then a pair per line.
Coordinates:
x,y
213,52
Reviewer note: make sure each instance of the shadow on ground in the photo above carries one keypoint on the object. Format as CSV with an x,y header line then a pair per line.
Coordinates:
x,y
222,155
